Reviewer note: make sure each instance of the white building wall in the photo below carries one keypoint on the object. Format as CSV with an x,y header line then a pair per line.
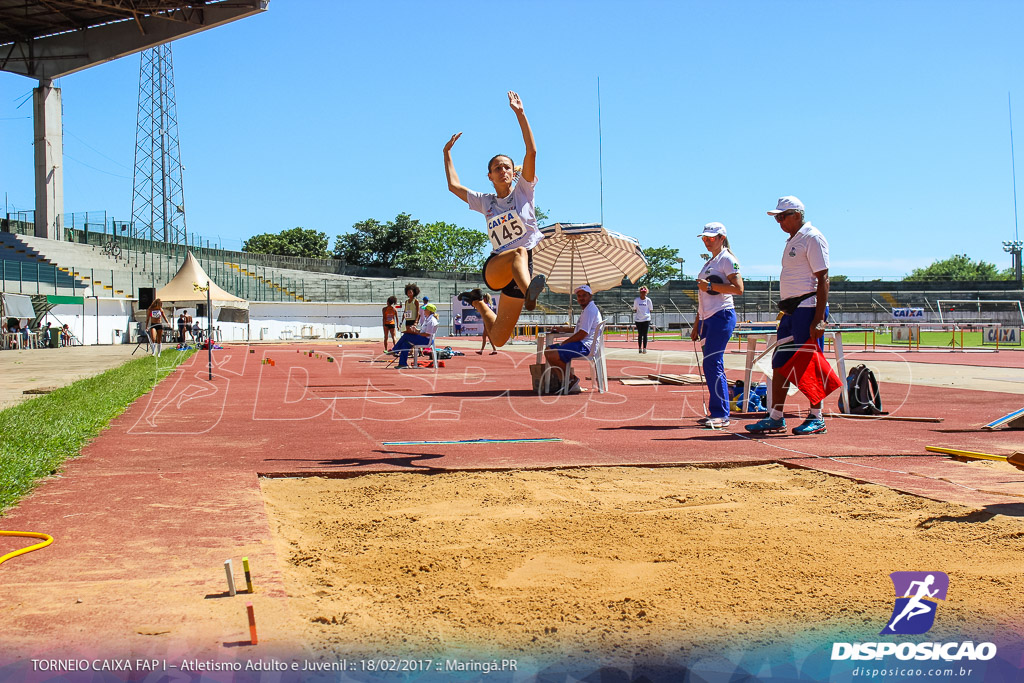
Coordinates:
x,y
110,321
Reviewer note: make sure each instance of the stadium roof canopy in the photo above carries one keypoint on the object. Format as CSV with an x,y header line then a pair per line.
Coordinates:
x,y
47,39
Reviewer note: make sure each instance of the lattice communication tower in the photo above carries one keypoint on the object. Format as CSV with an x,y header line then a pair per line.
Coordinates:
x,y
158,198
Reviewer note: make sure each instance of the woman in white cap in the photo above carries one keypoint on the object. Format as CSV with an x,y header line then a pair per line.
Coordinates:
x,y
512,229
642,309
719,280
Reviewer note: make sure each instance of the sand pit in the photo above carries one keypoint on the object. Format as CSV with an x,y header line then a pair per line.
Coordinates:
x,y
625,563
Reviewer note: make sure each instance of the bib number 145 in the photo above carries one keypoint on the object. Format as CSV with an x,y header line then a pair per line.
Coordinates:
x,y
504,229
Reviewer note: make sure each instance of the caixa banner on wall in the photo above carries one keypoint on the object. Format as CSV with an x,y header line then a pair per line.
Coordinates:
x,y
912,313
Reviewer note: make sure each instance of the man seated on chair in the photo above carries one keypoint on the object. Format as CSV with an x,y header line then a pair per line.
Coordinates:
x,y
581,341
416,335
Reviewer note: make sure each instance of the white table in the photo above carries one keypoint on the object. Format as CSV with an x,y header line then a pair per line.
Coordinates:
x,y
771,341
542,342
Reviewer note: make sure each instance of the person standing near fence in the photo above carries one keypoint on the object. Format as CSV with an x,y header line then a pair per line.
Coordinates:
x,y
512,229
483,342
422,315
181,327
717,283
155,321
411,310
389,319
803,300
642,310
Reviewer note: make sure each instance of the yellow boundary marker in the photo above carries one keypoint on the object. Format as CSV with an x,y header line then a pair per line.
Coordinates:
x,y
965,454
47,540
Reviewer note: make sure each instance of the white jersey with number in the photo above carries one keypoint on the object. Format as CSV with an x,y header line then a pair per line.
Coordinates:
x,y
511,222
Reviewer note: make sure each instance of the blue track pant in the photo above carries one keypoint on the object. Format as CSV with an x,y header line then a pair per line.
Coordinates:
x,y
716,331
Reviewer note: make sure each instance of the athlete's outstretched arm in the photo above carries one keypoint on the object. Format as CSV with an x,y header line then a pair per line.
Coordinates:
x,y
530,160
454,186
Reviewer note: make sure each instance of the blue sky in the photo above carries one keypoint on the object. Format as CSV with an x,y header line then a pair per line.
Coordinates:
x,y
888,119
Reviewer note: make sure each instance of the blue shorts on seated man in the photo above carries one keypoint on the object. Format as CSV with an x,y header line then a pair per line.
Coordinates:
x,y
570,351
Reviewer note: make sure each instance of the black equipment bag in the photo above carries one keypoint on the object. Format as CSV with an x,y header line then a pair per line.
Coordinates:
x,y
862,388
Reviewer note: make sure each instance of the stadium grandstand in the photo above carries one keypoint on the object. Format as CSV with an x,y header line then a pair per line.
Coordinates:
x,y
97,257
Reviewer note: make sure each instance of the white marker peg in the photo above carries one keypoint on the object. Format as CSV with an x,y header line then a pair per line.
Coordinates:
x,y
231,576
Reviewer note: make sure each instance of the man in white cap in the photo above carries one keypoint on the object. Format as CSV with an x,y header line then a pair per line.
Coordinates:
x,y
581,341
803,294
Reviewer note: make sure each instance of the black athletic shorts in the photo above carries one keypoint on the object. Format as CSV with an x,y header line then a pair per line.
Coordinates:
x,y
511,288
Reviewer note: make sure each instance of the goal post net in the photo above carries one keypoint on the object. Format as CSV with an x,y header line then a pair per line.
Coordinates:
x,y
1005,312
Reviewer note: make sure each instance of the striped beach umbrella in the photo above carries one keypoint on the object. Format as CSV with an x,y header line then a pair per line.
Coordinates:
x,y
573,254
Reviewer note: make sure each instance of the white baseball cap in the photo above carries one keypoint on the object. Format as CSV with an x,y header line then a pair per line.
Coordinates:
x,y
713,229
583,288
789,203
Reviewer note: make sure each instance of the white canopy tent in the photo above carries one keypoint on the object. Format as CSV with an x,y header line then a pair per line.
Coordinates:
x,y
188,286
191,285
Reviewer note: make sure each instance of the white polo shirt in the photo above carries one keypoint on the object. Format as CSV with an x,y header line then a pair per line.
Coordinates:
x,y
588,321
429,326
723,265
806,253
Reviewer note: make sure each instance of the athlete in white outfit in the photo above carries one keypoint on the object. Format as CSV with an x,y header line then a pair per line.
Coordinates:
x,y
512,229
642,309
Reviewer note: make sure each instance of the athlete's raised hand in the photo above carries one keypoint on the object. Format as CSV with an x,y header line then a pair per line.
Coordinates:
x,y
448,147
515,102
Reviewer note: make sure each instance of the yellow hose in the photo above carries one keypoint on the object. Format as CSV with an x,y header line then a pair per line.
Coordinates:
x,y
47,540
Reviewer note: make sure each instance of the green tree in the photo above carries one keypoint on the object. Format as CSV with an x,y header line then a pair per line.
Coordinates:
x,y
838,278
407,243
957,267
448,247
294,242
540,214
372,243
661,266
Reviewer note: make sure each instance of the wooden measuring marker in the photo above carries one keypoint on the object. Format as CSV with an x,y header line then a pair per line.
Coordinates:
x,y
1014,420
248,575
974,455
252,623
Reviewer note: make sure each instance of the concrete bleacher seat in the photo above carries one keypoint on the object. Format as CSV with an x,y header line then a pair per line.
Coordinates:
x,y
23,264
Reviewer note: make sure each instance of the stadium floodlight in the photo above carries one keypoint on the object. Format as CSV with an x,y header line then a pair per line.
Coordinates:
x,y
1014,248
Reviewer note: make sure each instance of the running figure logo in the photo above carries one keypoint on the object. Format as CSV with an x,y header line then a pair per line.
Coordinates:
x,y
916,595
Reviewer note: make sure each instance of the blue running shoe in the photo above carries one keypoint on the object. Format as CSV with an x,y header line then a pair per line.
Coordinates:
x,y
767,425
812,425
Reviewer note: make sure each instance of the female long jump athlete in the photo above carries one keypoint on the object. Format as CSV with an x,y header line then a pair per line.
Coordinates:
x,y
512,229
155,321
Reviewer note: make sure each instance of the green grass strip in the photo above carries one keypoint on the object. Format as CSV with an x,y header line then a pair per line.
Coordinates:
x,y
37,436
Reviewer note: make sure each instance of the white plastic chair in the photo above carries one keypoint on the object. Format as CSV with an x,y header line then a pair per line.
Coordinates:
x,y
417,349
598,368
